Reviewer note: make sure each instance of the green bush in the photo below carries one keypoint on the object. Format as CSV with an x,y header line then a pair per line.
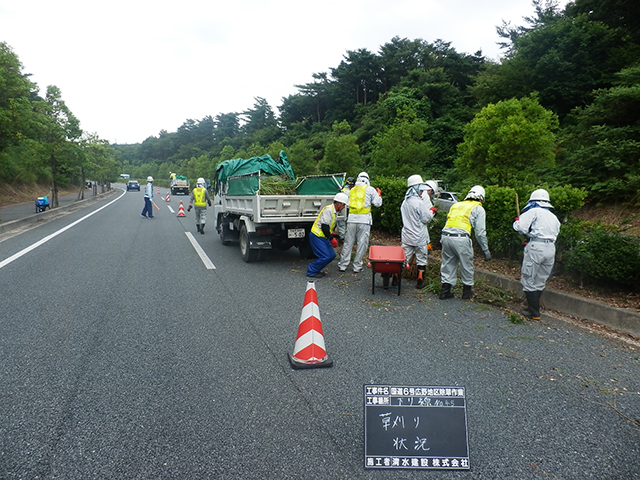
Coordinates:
x,y
604,256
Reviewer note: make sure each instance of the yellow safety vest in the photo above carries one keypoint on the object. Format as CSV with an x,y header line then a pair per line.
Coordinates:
x,y
316,225
458,216
356,200
199,197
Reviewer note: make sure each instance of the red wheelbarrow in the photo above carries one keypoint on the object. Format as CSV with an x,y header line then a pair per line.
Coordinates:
x,y
388,261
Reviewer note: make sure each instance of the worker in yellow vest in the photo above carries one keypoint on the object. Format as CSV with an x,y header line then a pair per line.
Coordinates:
x,y
200,199
457,247
361,198
321,237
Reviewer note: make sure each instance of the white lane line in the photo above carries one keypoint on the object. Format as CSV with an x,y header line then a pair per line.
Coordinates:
x,y
24,251
203,256
170,209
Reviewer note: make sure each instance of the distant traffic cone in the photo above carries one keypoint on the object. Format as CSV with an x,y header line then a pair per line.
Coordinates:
x,y
158,190
309,350
168,198
181,211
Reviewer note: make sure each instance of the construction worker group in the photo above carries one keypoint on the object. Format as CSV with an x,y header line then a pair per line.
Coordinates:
x,y
464,218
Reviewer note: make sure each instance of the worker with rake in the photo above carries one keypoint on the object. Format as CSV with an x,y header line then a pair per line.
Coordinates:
x,y
416,212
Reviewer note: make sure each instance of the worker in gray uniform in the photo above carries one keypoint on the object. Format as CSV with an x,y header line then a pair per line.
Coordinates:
x,y
416,213
361,198
457,247
541,226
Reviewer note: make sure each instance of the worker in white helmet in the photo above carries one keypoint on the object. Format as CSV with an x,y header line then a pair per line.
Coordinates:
x,y
541,226
416,213
200,199
322,238
457,247
361,198
148,199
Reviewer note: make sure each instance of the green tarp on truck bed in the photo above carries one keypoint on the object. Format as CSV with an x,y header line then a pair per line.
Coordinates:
x,y
265,164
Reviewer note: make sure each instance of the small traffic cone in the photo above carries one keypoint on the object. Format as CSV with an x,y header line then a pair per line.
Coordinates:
x,y
158,190
309,350
181,211
168,198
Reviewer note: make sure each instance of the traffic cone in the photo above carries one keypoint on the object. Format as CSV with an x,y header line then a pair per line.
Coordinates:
x,y
158,190
181,211
168,199
309,351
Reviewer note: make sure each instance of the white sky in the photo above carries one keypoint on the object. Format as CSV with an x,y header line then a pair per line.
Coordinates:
x,y
128,69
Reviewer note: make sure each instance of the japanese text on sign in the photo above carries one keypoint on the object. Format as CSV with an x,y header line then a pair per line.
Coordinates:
x,y
415,427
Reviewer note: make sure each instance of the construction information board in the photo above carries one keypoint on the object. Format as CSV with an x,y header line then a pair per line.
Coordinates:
x,y
415,427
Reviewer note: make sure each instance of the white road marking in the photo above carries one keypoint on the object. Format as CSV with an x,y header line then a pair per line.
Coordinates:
x,y
24,251
170,209
203,256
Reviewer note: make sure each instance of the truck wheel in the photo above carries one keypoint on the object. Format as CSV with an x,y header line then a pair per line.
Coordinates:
x,y
248,255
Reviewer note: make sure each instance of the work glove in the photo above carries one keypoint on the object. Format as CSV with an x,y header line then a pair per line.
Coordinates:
x,y
487,256
334,242
433,210
517,218
189,208
209,203
379,192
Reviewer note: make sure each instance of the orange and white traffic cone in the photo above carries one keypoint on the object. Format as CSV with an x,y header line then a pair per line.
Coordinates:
x,y
181,211
309,350
158,190
168,198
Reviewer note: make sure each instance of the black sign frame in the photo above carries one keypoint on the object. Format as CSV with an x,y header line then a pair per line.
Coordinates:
x,y
415,427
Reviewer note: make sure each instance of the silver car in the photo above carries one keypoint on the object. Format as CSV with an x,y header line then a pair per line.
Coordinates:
x,y
445,199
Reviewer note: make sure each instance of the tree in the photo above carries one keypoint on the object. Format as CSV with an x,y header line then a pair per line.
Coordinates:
x,y
61,134
400,149
601,149
341,152
508,142
561,57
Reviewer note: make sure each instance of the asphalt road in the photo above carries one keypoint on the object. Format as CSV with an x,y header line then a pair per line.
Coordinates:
x,y
123,357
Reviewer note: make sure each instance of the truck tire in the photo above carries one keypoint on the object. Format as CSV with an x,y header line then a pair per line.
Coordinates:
x,y
248,255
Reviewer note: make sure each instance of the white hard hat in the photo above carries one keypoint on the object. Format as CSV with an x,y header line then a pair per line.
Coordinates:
x,y
540,194
542,197
432,184
200,181
341,197
476,193
414,180
363,177
149,178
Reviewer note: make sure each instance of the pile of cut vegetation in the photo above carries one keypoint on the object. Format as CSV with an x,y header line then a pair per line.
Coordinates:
x,y
277,185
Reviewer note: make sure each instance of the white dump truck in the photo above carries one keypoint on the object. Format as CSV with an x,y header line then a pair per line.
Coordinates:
x,y
260,221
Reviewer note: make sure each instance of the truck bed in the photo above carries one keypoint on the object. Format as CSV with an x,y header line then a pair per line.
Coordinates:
x,y
277,208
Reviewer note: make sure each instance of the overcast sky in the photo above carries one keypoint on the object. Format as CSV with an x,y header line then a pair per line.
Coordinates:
x,y
128,69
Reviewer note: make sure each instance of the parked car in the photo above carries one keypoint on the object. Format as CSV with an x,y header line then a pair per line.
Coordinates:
x,y
445,200
133,185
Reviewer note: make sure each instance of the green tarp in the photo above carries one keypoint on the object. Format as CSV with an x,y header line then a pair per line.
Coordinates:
x,y
242,177
265,164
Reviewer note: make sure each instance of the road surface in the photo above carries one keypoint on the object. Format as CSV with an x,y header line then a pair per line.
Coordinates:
x,y
125,355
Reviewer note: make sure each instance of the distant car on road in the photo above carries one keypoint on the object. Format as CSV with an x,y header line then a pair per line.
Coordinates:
x,y
133,185
445,200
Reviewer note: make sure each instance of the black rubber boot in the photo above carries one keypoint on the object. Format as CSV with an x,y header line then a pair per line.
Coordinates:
x,y
394,280
533,305
198,227
446,291
467,292
202,228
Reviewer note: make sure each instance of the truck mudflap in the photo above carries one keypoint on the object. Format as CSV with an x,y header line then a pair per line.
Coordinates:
x,y
258,241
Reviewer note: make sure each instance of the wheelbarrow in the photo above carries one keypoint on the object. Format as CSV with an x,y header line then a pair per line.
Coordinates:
x,y
42,203
387,261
